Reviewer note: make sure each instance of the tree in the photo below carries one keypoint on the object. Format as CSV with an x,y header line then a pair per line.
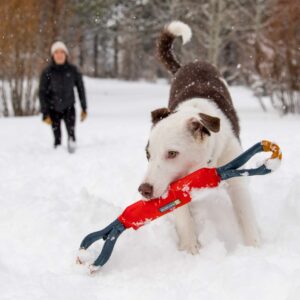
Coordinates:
x,y
24,49
18,55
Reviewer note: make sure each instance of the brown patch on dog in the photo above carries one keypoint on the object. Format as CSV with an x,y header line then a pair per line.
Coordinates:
x,y
164,51
210,122
159,114
202,80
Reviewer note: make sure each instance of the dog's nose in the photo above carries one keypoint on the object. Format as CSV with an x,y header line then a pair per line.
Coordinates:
x,y
146,190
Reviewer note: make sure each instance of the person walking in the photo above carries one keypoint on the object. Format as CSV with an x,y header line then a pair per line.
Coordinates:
x,y
56,94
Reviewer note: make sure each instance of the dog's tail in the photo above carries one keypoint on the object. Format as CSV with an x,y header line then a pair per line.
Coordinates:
x,y
165,42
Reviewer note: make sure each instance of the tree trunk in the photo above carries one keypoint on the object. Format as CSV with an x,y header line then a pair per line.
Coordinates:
x,y
116,54
216,9
81,50
96,54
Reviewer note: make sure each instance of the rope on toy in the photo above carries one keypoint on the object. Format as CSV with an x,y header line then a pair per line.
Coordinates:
x,y
142,212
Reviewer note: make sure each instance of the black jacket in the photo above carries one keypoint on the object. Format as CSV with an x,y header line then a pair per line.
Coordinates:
x,y
56,91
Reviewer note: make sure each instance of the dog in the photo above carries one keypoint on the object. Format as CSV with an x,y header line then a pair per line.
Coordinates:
x,y
198,129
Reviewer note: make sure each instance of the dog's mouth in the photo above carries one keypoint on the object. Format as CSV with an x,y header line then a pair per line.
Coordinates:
x,y
163,192
149,191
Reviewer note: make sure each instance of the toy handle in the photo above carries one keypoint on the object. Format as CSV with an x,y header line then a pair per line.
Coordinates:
x,y
110,235
231,169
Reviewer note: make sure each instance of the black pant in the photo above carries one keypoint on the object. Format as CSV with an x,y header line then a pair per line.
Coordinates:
x,y
68,115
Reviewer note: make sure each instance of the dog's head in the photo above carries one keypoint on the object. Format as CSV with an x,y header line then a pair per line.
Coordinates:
x,y
178,144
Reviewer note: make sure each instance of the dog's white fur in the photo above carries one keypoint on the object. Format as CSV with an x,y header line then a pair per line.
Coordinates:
x,y
172,134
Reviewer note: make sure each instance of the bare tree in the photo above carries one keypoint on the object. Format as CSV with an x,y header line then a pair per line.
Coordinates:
x,y
24,49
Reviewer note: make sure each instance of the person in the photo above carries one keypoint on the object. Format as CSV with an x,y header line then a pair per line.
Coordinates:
x,y
56,94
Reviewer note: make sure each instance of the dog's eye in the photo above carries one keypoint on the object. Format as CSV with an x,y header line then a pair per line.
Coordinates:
x,y
172,154
148,155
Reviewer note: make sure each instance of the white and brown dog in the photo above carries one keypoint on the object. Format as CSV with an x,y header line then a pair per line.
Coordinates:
x,y
199,129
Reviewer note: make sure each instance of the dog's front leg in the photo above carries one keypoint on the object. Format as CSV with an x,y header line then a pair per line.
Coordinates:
x,y
186,230
241,201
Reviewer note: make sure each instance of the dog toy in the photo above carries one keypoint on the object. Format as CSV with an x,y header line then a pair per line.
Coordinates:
x,y
178,194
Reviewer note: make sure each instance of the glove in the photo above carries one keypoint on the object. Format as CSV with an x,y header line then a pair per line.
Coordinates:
x,y
47,120
83,115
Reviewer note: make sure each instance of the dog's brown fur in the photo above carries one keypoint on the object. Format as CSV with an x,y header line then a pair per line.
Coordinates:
x,y
159,114
164,51
195,80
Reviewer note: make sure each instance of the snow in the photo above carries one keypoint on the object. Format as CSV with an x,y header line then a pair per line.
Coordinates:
x,y
51,199
273,164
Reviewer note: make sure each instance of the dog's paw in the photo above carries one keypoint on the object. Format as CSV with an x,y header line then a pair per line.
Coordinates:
x,y
253,242
252,238
191,247
93,269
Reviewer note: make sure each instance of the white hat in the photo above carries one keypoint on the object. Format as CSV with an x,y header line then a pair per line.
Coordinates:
x,y
59,45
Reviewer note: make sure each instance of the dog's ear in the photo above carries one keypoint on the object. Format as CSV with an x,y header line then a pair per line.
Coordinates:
x,y
196,128
202,127
210,122
159,114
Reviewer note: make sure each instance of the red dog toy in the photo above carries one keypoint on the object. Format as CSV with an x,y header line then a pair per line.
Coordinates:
x,y
178,194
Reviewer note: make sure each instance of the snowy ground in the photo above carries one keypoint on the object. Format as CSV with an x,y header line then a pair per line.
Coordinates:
x,y
49,200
